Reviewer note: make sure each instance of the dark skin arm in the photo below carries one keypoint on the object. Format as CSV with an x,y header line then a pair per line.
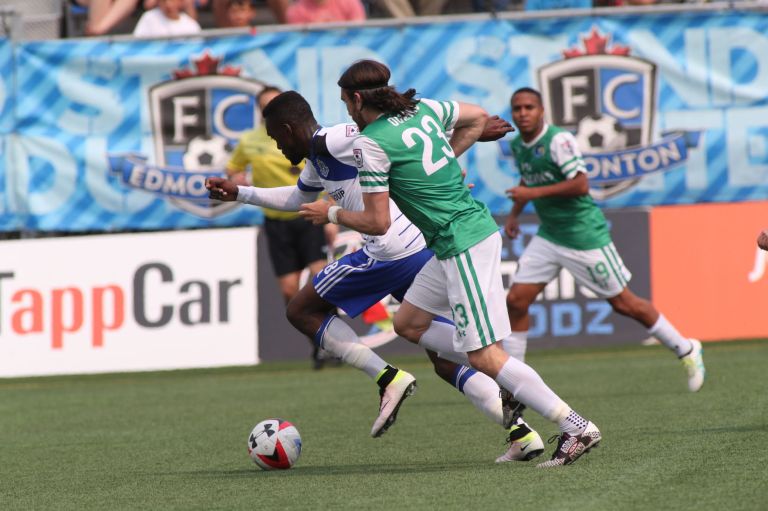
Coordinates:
x,y
762,240
495,128
521,194
222,189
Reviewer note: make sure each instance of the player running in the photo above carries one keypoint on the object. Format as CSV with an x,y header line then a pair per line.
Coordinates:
x,y
404,151
573,234
386,264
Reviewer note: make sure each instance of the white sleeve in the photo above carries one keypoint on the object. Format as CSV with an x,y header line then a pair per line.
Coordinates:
x,y
446,111
566,154
309,181
143,28
284,198
339,140
372,165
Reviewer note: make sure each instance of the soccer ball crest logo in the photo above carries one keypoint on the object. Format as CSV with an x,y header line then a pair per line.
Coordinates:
x,y
598,133
274,444
606,97
207,152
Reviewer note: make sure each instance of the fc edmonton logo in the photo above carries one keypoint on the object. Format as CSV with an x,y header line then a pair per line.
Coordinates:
x,y
196,118
607,99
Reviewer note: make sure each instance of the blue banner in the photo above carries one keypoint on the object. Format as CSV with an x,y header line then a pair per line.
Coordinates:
x,y
669,108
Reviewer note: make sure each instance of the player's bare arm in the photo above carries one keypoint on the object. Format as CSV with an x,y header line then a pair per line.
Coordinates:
x,y
469,127
575,187
374,219
762,240
222,189
495,128
512,224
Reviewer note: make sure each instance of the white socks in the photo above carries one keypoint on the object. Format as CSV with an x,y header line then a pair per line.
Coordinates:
x,y
573,424
515,344
528,388
670,337
339,338
481,391
439,338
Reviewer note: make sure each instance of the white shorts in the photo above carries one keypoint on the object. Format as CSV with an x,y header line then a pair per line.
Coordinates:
x,y
467,289
601,270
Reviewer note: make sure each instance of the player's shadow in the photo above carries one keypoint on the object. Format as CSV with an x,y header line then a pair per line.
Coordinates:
x,y
325,470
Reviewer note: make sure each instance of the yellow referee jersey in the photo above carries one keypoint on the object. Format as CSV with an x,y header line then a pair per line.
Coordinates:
x,y
269,168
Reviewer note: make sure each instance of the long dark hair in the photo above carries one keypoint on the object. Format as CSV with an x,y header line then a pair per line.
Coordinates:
x,y
370,79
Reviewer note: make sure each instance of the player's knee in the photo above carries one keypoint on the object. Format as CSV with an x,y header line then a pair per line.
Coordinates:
x,y
294,314
479,362
516,304
623,306
406,329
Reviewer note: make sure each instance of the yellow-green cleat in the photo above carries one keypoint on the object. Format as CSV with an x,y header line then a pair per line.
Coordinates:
x,y
392,396
524,444
694,366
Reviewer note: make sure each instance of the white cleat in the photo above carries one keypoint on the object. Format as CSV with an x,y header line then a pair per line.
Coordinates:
x,y
524,444
401,386
694,366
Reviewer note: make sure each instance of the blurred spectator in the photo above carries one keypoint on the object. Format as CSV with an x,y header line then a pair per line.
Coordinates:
x,y
409,8
221,18
490,5
240,13
324,11
167,19
105,15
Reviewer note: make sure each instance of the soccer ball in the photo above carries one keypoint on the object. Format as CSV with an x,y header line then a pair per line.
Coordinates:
x,y
207,153
600,133
274,444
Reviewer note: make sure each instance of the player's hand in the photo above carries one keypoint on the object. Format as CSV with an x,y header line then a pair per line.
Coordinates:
x,y
762,240
315,212
495,128
512,227
521,193
222,189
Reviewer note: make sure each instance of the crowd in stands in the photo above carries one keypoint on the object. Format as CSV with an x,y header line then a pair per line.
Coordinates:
x,y
151,18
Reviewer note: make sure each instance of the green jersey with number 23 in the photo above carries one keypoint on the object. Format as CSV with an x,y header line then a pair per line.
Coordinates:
x,y
411,157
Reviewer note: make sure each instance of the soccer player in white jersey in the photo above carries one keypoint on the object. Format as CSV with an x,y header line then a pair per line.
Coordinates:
x,y
386,265
573,234
404,153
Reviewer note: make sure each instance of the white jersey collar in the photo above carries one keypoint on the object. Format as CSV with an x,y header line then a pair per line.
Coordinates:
x,y
530,144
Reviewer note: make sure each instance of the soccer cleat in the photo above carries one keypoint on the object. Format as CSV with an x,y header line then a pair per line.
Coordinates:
x,y
511,409
392,396
694,366
524,444
571,447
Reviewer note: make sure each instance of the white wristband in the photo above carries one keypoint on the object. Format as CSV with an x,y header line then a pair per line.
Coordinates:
x,y
333,214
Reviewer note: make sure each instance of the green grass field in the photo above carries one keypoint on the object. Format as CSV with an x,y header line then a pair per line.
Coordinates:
x,y
177,440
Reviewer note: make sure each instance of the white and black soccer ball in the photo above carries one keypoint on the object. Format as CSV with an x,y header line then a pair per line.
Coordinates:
x,y
207,152
274,444
600,133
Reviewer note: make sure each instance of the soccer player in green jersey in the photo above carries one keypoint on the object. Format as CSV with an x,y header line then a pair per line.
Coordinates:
x,y
573,234
404,153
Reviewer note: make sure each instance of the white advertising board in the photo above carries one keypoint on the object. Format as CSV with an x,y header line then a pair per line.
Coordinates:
x,y
128,302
